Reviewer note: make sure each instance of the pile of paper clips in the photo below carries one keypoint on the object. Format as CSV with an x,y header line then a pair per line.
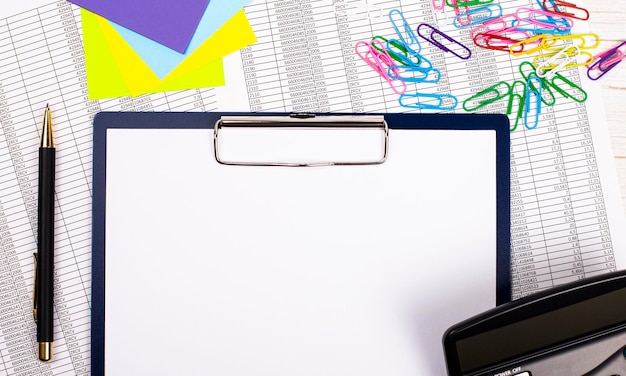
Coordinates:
x,y
541,34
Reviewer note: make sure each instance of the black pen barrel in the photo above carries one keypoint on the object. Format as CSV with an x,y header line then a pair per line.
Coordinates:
x,y
45,245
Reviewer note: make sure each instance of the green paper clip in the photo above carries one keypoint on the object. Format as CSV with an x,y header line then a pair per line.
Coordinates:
x,y
571,85
546,91
520,110
499,94
467,3
520,103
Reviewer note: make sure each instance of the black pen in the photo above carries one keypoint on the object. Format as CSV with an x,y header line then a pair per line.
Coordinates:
x,y
44,265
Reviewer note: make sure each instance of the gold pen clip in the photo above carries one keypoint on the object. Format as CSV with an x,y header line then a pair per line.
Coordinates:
x,y
35,289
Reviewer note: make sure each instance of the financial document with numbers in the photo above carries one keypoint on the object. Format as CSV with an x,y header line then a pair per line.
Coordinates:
x,y
567,219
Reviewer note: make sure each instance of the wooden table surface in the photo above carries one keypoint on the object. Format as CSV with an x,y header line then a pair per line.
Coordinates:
x,y
608,20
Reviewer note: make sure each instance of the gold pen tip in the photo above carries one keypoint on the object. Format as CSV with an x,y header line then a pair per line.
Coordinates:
x,y
47,136
45,351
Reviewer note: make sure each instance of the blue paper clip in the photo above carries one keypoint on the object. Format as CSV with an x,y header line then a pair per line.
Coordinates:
x,y
414,73
440,106
477,16
455,45
404,54
540,3
411,38
528,99
547,96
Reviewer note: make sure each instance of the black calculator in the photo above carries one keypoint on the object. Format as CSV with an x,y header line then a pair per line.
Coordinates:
x,y
578,329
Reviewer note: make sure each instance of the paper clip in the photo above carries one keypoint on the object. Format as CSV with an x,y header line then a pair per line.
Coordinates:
x,y
551,24
518,83
403,54
441,100
532,91
582,94
411,39
542,4
520,103
467,3
520,110
458,14
606,61
520,48
456,48
358,11
438,5
476,15
582,14
414,73
488,96
571,52
547,96
379,62
551,42
493,41
612,56
396,50
557,62
499,25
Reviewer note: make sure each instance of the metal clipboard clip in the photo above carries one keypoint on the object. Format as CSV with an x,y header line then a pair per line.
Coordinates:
x,y
300,140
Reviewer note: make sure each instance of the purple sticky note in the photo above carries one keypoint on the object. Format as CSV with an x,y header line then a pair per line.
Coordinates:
x,y
169,22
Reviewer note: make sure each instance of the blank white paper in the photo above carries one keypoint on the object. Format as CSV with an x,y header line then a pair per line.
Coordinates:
x,y
232,271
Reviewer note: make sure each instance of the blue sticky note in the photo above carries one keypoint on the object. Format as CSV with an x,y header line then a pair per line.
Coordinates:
x,y
162,60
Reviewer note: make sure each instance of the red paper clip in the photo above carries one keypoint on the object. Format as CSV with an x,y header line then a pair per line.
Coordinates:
x,y
582,14
496,41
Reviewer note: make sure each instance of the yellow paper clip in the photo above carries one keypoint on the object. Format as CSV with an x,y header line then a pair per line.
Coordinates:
x,y
520,48
557,42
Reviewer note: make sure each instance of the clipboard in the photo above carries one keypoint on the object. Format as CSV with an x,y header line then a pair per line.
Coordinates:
x,y
354,267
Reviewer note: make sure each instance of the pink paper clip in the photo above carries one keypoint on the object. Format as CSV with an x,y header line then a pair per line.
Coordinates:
x,y
438,5
566,23
497,25
380,61
458,15
606,61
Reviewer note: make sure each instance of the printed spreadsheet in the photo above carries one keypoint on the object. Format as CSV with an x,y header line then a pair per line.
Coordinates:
x,y
567,221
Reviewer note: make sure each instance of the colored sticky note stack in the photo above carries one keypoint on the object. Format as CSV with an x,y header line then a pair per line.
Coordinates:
x,y
147,46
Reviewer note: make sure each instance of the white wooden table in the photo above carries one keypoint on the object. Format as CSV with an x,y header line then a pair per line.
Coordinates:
x,y
608,20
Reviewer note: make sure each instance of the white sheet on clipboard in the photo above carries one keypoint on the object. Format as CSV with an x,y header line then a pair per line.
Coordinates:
x,y
225,270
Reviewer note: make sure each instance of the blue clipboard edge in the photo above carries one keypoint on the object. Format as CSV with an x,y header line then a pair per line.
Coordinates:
x,y
205,120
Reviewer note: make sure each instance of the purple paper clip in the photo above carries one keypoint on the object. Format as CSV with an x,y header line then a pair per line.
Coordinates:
x,y
455,47
606,61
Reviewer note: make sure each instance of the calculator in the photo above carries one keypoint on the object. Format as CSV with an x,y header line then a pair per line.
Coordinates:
x,y
577,329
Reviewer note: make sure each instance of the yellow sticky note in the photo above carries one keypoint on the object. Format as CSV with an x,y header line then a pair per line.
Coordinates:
x,y
203,68
234,35
104,78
